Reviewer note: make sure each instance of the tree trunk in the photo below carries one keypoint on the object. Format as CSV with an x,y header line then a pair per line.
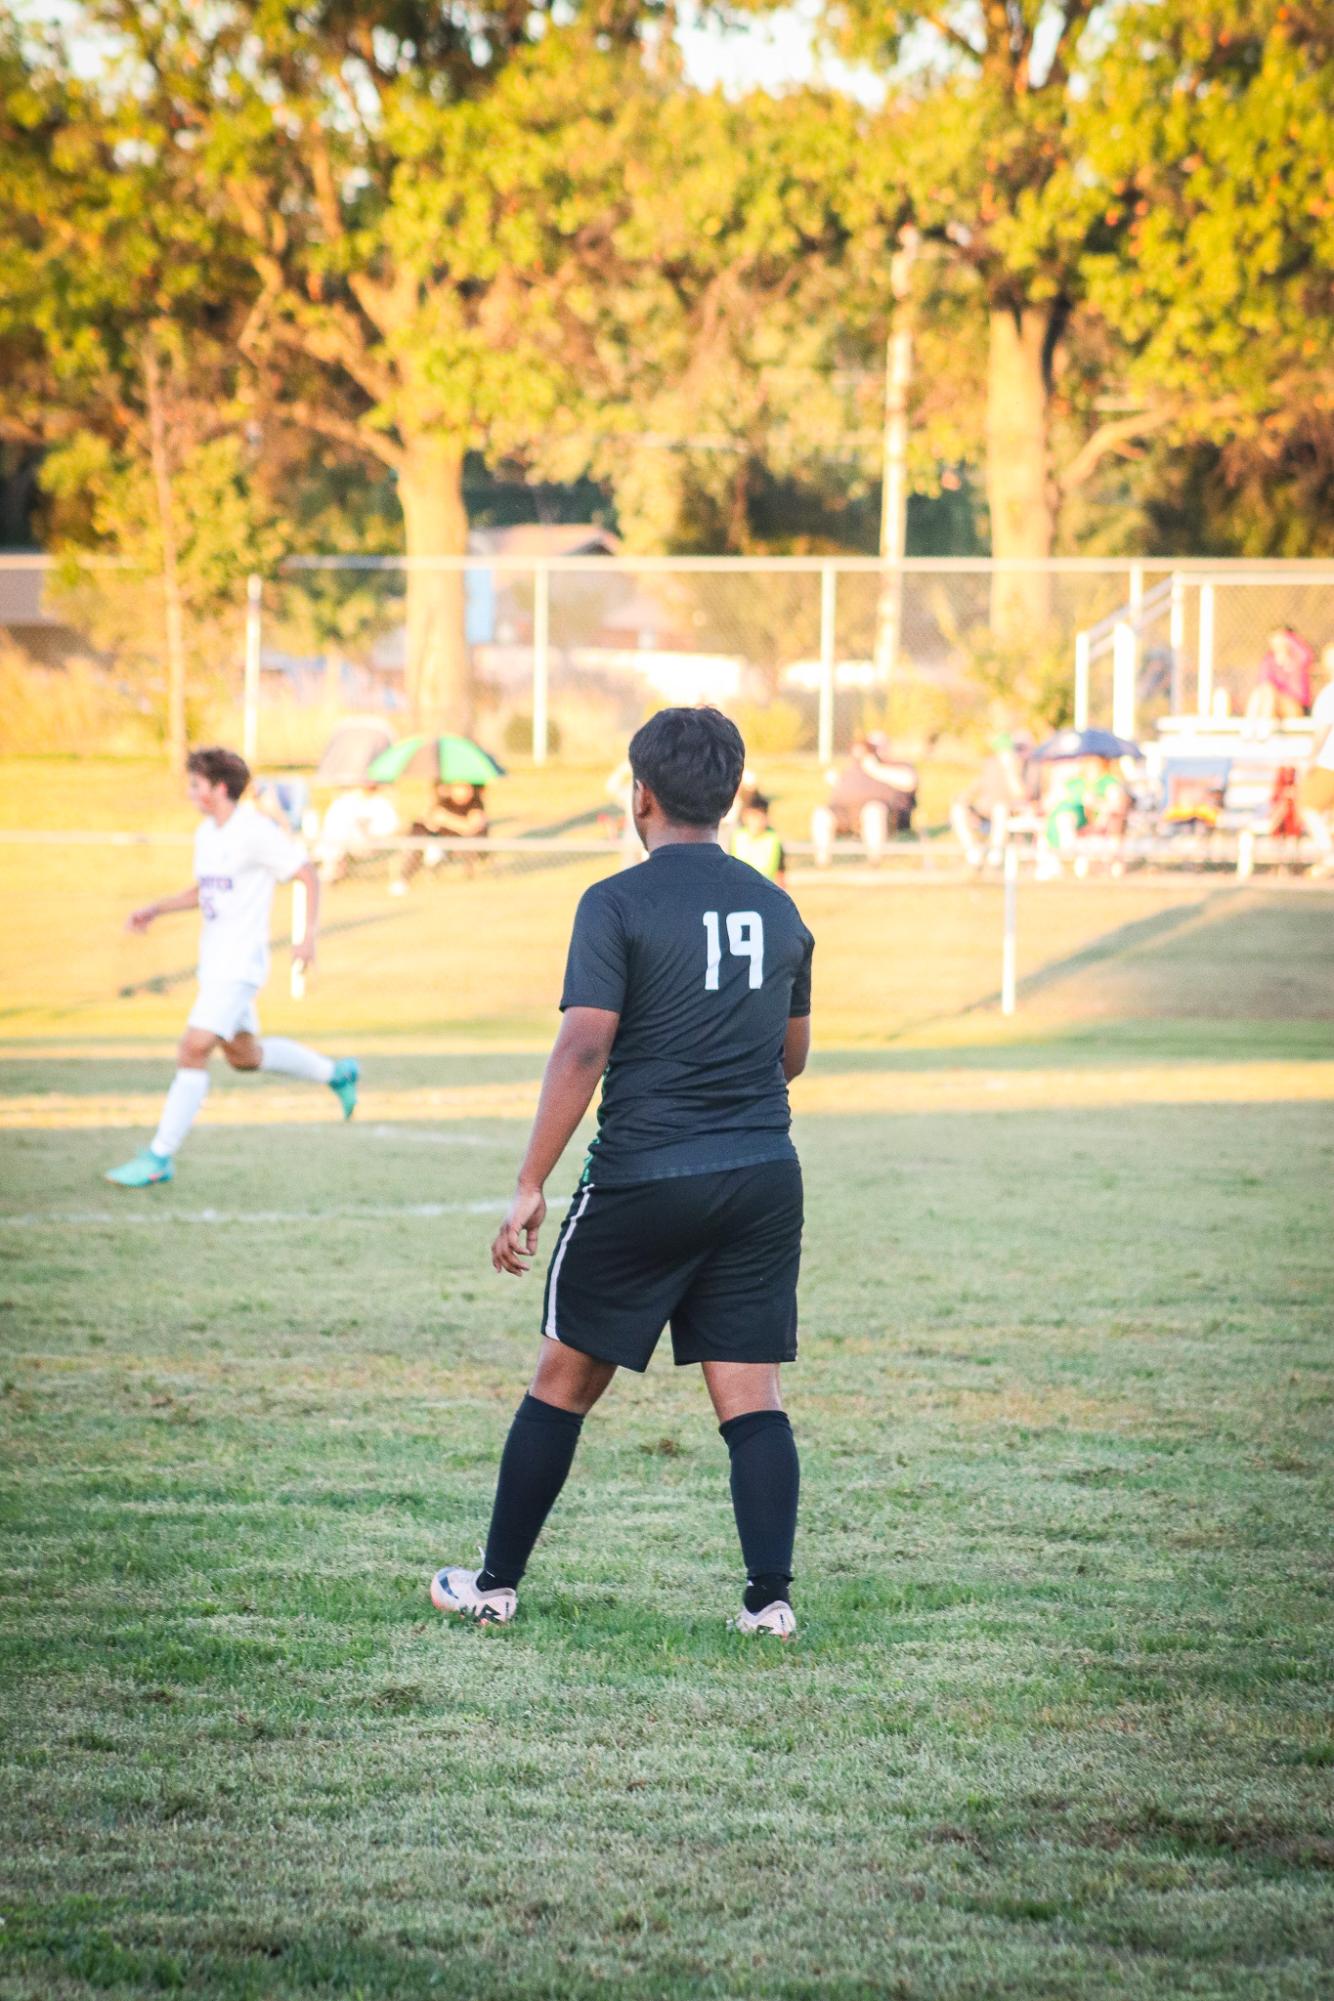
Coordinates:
x,y
171,585
439,671
1019,489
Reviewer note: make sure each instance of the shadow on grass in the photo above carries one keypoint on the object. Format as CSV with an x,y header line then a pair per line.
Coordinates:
x,y
1228,957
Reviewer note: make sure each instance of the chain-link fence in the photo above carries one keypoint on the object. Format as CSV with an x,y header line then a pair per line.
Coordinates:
x,y
559,659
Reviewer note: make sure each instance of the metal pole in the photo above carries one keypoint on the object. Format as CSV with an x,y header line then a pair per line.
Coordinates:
x,y
298,933
1009,938
828,644
894,486
1204,691
254,590
1176,636
1082,644
541,659
1123,680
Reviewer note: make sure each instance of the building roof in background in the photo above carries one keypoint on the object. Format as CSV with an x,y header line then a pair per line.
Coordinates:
x,y
543,538
21,595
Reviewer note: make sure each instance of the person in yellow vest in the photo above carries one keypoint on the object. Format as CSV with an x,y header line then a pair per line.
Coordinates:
x,y
756,843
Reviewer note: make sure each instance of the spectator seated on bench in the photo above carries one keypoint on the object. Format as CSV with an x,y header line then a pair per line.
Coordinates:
x,y
456,813
871,796
1193,793
354,827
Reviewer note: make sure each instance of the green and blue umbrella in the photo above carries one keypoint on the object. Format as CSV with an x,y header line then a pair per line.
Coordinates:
x,y
1069,744
454,760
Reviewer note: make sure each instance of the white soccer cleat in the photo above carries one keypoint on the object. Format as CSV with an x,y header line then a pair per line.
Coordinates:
x,y
456,1591
778,1619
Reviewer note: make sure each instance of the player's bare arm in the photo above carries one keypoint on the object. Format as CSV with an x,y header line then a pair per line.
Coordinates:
x,y
796,1046
577,1061
148,913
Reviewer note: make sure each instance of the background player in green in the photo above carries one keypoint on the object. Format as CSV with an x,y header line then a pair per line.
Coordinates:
x,y
756,842
688,985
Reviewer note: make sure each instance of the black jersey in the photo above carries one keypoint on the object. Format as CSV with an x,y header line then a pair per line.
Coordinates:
x,y
705,961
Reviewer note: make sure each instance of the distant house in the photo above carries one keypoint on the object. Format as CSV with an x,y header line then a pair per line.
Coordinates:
x,y
498,603
26,624
543,538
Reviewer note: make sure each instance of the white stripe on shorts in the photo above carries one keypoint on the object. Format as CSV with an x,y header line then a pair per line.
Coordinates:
x,y
550,1329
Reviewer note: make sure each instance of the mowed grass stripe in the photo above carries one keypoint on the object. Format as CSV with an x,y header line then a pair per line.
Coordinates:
x,y
938,1090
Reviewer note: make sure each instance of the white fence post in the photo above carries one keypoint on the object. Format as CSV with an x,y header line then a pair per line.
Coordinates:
x,y
298,977
1009,938
828,647
541,659
1082,645
1176,636
1137,610
1204,669
254,589
1123,679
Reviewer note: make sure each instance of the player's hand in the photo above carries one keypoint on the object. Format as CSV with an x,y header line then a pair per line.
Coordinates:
x,y
304,953
139,920
516,1239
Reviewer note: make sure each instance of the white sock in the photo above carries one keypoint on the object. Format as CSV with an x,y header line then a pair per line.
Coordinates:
x,y
294,1060
186,1093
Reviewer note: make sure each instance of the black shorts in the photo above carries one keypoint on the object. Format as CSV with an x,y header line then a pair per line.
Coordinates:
x,y
717,1255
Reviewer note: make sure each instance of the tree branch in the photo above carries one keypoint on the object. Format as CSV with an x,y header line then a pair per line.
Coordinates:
x,y
16,430
1072,20
1112,436
954,36
342,431
387,307
327,204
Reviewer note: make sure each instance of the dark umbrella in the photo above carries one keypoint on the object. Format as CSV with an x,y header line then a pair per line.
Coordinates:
x,y
1069,744
454,760
351,750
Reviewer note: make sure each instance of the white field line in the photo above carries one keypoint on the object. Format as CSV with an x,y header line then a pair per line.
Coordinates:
x,y
388,1212
433,1138
460,1104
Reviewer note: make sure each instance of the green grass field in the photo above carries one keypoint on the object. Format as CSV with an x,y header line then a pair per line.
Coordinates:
x,y
1058,1722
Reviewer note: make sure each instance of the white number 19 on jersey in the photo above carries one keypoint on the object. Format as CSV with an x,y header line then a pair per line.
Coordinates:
x,y
745,940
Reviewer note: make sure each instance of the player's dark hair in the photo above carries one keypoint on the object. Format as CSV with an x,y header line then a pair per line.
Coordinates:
x,y
691,761
220,767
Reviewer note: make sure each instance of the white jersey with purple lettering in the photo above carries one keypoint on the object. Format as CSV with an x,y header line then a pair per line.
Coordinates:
x,y
237,866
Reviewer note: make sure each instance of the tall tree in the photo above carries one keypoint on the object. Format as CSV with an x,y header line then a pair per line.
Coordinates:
x,y
1139,198
120,293
428,204
1206,130
28,122
757,243
978,121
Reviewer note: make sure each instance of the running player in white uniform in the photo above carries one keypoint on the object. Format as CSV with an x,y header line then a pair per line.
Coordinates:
x,y
239,857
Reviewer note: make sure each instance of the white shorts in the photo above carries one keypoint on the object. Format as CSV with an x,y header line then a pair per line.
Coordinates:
x,y
225,1008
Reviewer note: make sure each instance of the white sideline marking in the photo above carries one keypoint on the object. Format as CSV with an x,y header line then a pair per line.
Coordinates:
x,y
128,1215
431,1138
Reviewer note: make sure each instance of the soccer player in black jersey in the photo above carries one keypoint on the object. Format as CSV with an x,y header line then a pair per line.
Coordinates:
x,y
688,992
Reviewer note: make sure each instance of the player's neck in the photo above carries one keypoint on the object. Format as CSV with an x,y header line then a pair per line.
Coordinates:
x,y
220,815
665,834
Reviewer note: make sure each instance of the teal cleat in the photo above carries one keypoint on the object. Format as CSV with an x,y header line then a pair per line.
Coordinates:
x,y
343,1083
143,1171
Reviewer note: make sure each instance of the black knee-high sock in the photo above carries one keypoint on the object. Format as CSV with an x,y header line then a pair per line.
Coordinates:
x,y
766,1478
538,1454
